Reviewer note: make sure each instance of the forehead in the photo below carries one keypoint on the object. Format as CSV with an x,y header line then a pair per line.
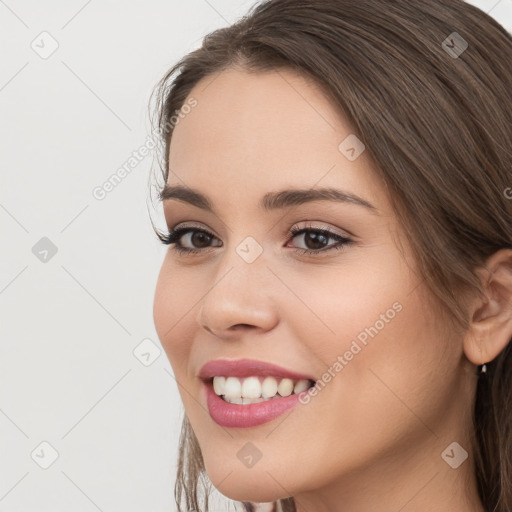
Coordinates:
x,y
255,132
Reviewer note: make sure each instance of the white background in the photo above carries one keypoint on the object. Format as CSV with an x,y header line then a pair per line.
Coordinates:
x,y
69,326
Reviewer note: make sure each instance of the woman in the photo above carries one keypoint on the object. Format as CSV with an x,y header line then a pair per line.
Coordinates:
x,y
336,298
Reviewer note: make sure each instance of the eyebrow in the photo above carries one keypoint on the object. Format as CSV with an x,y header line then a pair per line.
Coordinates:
x,y
271,200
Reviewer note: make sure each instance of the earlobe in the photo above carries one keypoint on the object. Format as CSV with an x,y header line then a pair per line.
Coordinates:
x,y
490,328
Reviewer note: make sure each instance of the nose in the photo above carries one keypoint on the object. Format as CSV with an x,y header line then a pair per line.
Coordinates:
x,y
241,299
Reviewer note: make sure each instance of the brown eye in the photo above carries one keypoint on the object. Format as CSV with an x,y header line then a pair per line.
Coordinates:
x,y
316,240
189,239
199,238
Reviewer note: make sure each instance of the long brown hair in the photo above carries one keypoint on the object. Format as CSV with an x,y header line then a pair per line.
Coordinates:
x,y
436,117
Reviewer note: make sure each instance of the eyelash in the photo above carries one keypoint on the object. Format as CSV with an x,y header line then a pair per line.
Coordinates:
x,y
174,236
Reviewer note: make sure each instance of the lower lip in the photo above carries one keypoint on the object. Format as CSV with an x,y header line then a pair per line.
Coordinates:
x,y
251,415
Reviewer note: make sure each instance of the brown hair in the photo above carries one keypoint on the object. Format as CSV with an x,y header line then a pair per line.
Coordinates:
x,y
439,127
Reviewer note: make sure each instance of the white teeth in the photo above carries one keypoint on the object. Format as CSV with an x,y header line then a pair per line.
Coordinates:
x,y
269,387
232,388
285,387
301,386
256,389
219,384
251,388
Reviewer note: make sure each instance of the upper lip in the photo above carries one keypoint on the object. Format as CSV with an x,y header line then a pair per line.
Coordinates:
x,y
248,368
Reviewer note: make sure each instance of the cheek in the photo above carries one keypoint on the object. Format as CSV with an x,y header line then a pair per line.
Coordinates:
x,y
360,300
391,372
173,304
379,347
375,324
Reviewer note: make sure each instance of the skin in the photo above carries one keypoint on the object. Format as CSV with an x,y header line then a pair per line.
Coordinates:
x,y
372,438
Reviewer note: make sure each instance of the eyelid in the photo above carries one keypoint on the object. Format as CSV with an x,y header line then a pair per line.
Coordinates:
x,y
192,225
286,232
342,241
321,226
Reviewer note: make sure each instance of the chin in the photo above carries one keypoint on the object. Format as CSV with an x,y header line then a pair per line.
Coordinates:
x,y
246,484
247,489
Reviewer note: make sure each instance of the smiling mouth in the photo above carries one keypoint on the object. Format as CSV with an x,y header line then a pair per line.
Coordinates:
x,y
256,389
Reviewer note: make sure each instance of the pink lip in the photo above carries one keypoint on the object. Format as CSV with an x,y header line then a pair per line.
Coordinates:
x,y
251,415
244,416
247,368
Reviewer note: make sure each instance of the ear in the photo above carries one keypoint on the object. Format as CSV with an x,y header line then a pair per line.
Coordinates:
x,y
490,327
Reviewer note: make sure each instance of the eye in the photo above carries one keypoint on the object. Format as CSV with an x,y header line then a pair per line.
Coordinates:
x,y
192,240
192,236
316,239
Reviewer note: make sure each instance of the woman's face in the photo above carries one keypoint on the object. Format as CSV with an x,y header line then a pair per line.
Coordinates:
x,y
352,316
